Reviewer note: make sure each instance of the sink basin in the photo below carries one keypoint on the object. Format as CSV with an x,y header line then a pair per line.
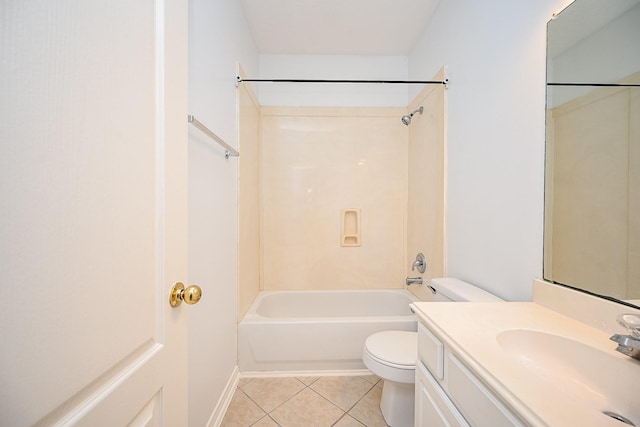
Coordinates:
x,y
602,381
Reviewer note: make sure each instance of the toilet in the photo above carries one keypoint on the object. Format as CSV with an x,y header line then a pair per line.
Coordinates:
x,y
392,355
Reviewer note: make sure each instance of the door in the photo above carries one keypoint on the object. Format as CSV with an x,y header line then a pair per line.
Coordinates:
x,y
93,212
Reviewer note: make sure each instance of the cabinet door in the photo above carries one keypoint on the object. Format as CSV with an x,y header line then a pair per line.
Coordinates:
x,y
433,407
479,405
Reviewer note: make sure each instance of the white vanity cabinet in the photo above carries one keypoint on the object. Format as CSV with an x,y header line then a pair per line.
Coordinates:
x,y
433,406
448,393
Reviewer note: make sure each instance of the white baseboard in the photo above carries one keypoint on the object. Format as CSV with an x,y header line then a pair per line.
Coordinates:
x,y
323,373
225,399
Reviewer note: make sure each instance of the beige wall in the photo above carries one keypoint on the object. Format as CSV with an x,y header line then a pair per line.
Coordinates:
x,y
594,223
425,201
248,199
317,162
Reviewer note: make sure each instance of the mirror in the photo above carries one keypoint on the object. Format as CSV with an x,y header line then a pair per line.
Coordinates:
x,y
592,173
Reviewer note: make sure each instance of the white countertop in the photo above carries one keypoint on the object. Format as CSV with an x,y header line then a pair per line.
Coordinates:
x,y
470,330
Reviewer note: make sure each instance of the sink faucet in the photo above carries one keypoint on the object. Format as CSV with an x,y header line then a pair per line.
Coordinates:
x,y
413,280
629,344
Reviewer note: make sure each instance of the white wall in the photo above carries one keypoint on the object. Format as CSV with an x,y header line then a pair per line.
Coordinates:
x,y
353,67
218,39
495,56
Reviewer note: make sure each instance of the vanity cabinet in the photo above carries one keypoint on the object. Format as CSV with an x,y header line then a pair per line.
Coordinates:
x,y
433,406
448,393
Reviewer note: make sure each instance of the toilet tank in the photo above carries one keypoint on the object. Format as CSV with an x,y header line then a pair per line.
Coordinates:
x,y
451,289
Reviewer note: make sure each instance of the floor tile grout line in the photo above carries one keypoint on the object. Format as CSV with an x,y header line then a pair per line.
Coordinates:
x,y
346,414
361,397
311,383
266,416
308,386
327,399
355,404
357,401
256,403
282,403
313,391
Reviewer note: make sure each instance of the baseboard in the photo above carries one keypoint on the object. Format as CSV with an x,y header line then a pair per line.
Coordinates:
x,y
322,373
225,399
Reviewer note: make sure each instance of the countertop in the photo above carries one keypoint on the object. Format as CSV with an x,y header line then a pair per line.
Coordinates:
x,y
470,330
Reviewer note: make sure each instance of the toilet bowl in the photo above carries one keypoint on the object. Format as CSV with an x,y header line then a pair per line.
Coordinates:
x,y
392,355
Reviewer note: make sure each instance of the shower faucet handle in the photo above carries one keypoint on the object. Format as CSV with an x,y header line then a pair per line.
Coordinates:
x,y
420,263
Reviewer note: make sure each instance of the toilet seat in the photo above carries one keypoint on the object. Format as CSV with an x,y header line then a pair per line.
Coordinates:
x,y
392,355
398,348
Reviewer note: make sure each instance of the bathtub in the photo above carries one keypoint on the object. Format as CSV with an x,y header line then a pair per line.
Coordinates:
x,y
318,330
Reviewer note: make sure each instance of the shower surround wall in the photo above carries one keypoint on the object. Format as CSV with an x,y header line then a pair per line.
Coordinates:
x,y
426,185
315,163
249,255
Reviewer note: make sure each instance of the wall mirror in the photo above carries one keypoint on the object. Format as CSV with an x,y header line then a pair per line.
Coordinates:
x,y
592,182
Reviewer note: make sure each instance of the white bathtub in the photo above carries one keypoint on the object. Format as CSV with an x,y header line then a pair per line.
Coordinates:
x,y
318,330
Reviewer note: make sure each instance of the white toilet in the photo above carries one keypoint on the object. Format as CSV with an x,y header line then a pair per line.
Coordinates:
x,y
392,355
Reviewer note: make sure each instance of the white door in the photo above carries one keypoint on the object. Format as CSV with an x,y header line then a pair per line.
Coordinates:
x,y
93,212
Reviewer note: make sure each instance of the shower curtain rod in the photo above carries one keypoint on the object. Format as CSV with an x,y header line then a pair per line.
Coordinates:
x,y
444,82
596,84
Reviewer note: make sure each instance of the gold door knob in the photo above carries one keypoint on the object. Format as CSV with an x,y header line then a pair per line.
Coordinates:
x,y
190,295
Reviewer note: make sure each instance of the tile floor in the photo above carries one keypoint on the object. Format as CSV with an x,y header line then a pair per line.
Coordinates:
x,y
348,401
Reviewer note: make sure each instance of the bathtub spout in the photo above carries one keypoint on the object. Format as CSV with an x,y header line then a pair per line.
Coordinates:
x,y
413,280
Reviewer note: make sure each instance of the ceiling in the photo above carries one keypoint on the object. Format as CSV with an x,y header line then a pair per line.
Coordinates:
x,y
338,27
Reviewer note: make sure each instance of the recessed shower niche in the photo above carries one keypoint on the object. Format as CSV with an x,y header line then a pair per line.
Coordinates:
x,y
350,235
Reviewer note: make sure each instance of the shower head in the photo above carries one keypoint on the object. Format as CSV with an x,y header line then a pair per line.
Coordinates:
x,y
406,119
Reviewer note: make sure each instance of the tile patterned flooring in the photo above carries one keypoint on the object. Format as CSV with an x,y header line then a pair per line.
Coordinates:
x,y
346,401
